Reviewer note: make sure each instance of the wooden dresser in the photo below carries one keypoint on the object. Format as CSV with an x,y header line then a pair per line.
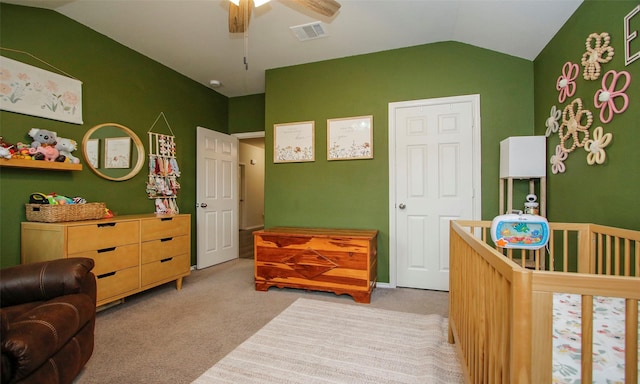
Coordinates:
x,y
341,261
132,253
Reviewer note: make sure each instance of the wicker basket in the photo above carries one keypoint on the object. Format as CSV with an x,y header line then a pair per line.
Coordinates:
x,y
68,212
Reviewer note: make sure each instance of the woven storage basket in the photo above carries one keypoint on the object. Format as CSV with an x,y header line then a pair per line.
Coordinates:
x,y
68,212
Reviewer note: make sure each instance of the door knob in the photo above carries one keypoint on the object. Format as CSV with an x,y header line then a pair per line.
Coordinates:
x,y
402,206
203,205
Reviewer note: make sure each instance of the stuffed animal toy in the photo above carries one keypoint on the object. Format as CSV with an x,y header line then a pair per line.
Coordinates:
x,y
22,151
5,152
6,149
42,137
66,146
47,153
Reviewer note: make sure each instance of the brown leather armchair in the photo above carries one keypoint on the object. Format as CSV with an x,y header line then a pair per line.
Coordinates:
x,y
47,320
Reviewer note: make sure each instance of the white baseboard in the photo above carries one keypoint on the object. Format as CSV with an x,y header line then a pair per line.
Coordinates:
x,y
252,228
383,285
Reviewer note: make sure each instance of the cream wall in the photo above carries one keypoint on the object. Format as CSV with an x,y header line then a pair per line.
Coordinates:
x,y
254,185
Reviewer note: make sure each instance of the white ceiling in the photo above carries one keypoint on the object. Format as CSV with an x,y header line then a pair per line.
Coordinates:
x,y
191,36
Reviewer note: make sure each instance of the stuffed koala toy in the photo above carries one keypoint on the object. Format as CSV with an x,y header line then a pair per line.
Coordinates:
x,y
66,146
42,137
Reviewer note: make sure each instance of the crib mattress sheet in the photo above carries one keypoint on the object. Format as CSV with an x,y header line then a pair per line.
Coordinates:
x,y
608,339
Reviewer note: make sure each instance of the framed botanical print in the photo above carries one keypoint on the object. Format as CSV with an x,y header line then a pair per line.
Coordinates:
x,y
293,142
117,152
350,138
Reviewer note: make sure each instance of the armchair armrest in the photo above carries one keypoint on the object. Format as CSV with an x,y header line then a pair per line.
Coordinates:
x,y
46,280
40,333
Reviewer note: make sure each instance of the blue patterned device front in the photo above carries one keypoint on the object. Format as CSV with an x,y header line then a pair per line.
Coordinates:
x,y
521,231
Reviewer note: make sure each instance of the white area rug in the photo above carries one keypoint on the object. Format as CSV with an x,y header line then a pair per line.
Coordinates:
x,y
315,341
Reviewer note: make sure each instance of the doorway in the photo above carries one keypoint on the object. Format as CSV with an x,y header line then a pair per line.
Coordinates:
x,y
434,177
251,189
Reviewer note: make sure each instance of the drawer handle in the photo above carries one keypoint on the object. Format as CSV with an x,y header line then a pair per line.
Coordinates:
x,y
106,225
106,250
106,274
166,239
167,259
166,219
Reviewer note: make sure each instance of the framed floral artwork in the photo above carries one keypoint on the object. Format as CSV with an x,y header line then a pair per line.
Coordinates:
x,y
293,142
117,152
93,152
34,91
350,138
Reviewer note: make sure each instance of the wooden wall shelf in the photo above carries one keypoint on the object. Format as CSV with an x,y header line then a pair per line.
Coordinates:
x,y
40,164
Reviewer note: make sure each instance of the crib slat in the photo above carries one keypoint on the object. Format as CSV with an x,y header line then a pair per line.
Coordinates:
x,y
542,347
617,270
521,305
600,254
552,252
565,251
627,257
587,338
608,255
637,248
631,342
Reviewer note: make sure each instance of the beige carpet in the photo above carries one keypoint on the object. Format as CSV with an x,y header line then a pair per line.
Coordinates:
x,y
314,342
168,336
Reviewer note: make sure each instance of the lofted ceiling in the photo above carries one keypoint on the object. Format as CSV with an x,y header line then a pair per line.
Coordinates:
x,y
192,36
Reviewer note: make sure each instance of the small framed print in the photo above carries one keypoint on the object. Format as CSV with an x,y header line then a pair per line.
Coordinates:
x,y
117,152
293,142
93,152
350,138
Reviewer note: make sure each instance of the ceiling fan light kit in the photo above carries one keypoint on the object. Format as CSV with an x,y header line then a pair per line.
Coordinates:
x,y
256,3
240,11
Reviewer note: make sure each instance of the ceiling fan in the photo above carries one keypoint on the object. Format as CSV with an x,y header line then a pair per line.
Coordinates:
x,y
240,11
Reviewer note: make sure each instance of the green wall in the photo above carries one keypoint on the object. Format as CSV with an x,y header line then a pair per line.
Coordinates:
x,y
608,193
119,86
124,87
246,113
355,194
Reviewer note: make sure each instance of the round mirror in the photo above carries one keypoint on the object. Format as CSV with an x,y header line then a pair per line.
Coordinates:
x,y
113,151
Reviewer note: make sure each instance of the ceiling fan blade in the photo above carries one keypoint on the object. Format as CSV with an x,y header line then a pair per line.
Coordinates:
x,y
239,16
323,7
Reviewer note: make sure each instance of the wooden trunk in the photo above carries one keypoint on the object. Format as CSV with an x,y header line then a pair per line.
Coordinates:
x,y
341,261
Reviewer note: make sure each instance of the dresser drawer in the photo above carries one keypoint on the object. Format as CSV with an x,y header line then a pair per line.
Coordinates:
x,y
103,235
155,250
117,283
164,227
112,258
165,269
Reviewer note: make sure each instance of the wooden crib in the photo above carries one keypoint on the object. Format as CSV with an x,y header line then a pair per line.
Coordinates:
x,y
500,309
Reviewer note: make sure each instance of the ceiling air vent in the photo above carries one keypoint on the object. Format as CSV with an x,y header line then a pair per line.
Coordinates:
x,y
309,31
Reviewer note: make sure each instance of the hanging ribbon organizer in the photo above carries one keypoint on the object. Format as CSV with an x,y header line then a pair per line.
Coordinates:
x,y
163,185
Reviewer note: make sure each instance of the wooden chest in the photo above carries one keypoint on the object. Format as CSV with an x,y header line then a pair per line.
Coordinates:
x,y
131,253
341,261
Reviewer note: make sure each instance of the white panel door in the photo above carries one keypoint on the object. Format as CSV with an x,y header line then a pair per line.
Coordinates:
x,y
433,184
217,197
